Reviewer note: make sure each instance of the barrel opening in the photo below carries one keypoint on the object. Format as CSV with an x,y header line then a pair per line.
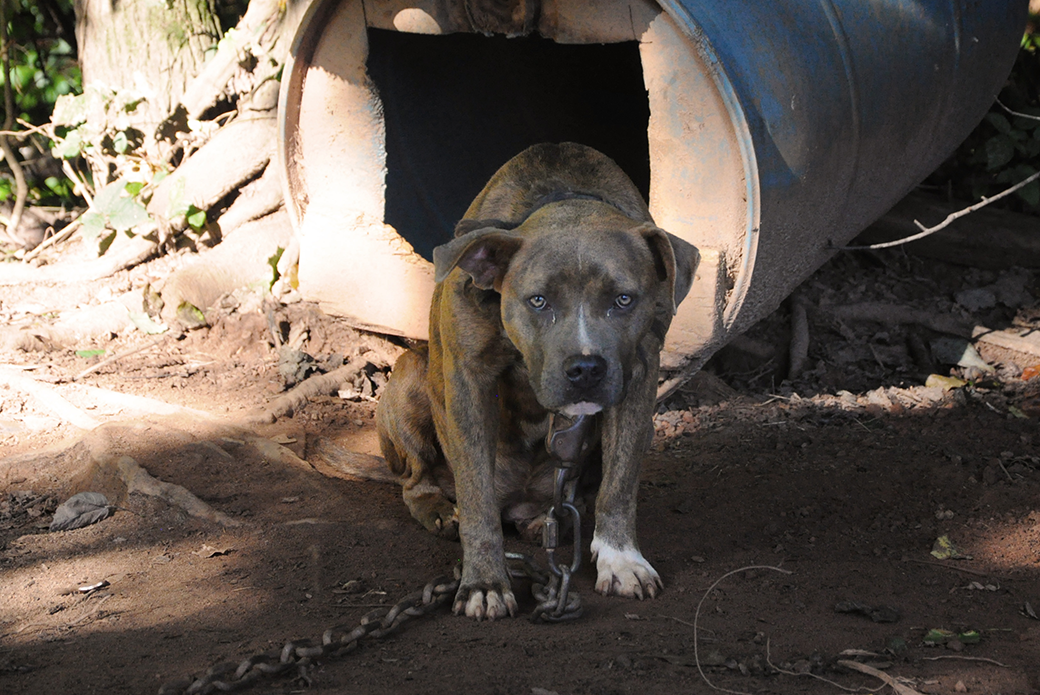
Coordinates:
x,y
456,107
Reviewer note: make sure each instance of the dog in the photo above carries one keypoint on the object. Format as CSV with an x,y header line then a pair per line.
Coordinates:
x,y
554,297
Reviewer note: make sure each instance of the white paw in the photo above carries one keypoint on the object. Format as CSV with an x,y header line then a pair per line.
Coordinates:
x,y
492,605
624,572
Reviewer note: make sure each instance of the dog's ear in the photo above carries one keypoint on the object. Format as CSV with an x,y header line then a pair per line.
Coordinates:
x,y
484,254
675,260
466,226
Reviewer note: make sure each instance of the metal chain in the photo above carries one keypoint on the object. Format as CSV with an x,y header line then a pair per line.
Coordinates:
x,y
567,441
301,654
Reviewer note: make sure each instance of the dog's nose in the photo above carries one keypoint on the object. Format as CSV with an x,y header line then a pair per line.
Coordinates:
x,y
585,371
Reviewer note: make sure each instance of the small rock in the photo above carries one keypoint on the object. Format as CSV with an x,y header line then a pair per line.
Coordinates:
x,y
955,645
960,687
976,299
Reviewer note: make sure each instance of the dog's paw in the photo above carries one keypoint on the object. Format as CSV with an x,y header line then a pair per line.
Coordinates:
x,y
436,513
482,602
624,572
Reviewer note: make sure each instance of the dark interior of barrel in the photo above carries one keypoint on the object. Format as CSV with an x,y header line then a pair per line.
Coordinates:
x,y
457,107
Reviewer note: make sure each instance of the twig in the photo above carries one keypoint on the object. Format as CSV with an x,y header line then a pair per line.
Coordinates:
x,y
81,185
1001,464
927,231
318,385
847,689
64,234
1017,113
22,190
115,358
966,658
900,688
697,615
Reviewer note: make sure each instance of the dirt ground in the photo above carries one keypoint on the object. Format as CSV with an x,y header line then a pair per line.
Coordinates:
x,y
844,478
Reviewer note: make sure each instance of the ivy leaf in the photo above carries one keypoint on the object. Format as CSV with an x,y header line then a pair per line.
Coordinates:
x,y
999,151
120,210
70,146
70,110
1030,193
999,122
93,225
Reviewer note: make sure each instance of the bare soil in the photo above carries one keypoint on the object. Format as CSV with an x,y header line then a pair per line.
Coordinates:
x,y
844,478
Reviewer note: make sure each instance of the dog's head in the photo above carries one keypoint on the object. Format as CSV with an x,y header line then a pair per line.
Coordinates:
x,y
582,286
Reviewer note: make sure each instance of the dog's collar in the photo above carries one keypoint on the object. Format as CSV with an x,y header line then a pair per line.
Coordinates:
x,y
568,438
559,196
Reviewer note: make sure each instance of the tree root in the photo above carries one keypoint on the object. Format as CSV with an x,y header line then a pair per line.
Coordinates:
x,y
318,385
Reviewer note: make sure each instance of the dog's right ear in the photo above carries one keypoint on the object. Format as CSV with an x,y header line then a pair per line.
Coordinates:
x,y
484,254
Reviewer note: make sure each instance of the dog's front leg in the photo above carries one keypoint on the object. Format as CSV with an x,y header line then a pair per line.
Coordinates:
x,y
627,429
470,435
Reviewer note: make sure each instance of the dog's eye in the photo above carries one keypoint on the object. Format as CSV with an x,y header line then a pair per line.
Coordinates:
x,y
623,301
537,302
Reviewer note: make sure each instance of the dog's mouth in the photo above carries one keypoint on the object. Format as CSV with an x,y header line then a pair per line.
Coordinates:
x,y
581,408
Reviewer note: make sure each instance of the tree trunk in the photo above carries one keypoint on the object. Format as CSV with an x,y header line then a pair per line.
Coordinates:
x,y
147,46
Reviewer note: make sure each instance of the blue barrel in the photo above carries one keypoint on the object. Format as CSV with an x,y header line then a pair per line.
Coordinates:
x,y
848,104
765,133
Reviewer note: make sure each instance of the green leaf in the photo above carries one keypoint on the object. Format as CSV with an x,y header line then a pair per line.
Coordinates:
x,y
120,143
121,212
196,218
93,225
134,188
273,262
87,354
999,122
938,636
70,146
999,151
1030,193
177,206
190,315
970,637
145,323
127,214
70,110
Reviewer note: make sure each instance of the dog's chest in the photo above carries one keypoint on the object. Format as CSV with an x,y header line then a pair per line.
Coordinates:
x,y
523,422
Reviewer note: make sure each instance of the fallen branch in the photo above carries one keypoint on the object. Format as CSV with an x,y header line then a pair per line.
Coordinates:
x,y
928,231
115,358
64,234
900,688
317,385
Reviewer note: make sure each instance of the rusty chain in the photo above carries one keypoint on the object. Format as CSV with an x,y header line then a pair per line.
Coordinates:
x,y
566,443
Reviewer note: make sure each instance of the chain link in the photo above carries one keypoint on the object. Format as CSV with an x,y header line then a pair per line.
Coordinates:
x,y
567,441
301,654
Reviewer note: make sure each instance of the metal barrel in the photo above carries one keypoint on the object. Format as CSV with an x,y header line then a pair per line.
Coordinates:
x,y
765,133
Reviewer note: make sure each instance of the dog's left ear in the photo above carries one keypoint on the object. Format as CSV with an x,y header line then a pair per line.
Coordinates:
x,y
675,260
484,254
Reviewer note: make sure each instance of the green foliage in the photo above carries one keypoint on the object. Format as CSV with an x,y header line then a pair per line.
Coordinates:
x,y
1005,148
43,68
43,56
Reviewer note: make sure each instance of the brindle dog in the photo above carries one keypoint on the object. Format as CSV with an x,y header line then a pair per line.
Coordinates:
x,y
554,297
